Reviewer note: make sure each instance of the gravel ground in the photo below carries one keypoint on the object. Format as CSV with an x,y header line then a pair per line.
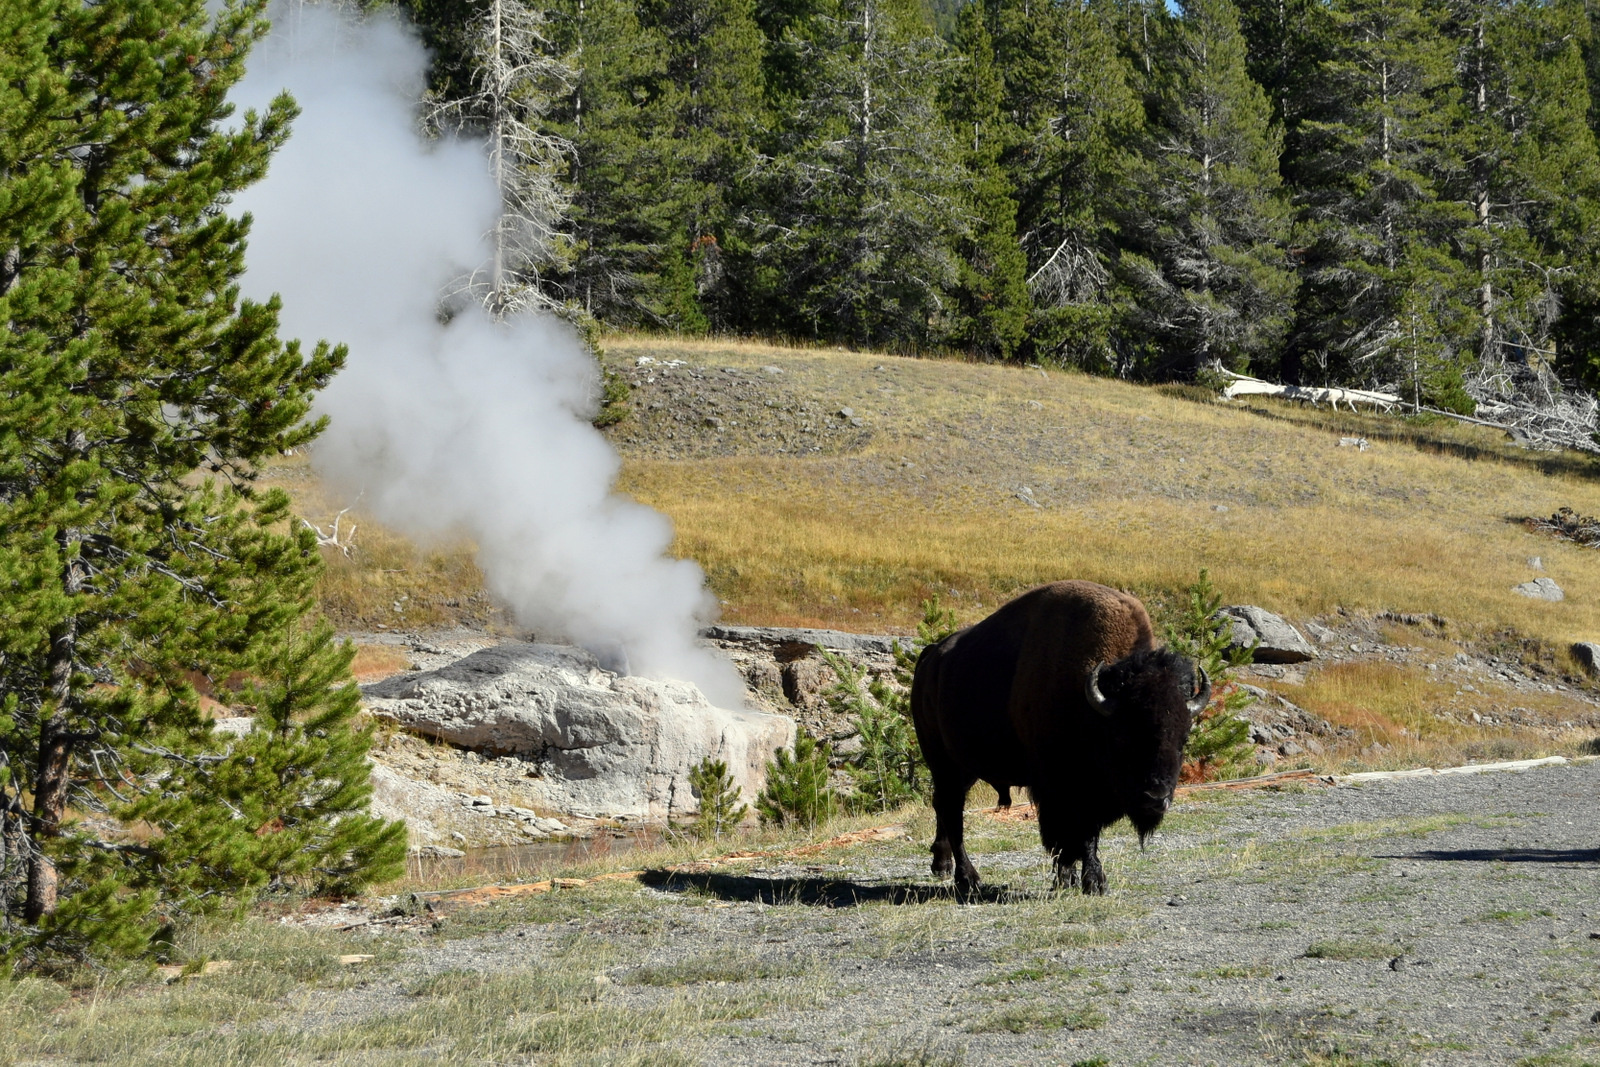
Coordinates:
x,y
1449,920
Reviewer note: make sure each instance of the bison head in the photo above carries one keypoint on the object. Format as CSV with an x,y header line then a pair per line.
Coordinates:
x,y
1149,699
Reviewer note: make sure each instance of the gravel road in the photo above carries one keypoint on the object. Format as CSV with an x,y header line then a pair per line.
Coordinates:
x,y
1447,920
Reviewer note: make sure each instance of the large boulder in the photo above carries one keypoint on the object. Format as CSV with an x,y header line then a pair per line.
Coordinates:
x,y
1279,642
1541,589
602,745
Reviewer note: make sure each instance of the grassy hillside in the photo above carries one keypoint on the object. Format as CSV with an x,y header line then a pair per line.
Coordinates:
x,y
851,526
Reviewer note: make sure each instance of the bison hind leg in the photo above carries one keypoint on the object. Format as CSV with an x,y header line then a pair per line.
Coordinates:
x,y
949,849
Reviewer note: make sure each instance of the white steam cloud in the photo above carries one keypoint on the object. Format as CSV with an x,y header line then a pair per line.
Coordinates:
x,y
475,427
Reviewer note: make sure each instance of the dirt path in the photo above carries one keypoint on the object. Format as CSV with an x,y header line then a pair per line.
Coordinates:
x,y
1452,920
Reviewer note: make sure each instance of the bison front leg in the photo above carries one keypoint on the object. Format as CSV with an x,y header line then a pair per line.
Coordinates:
x,y
1094,878
949,848
1064,847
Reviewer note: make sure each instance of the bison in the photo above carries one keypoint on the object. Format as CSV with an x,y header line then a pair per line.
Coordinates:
x,y
1063,691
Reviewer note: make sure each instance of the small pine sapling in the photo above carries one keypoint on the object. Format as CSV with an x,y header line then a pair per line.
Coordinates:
x,y
721,806
1219,745
797,791
888,771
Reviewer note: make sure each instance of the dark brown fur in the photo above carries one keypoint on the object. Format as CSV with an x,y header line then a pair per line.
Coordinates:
x,y
1005,701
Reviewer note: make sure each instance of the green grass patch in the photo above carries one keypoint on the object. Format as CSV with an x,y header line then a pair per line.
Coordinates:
x,y
1354,949
1235,970
1027,1018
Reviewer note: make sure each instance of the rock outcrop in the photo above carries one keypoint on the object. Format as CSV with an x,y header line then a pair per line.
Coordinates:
x,y
1279,642
600,745
1541,589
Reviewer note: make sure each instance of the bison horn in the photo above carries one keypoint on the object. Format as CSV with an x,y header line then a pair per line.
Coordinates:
x,y
1097,699
1198,703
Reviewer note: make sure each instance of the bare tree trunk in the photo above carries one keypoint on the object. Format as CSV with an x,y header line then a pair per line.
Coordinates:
x,y
52,777
498,157
1487,350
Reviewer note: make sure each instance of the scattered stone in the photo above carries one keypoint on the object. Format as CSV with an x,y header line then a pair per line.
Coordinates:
x,y
1541,589
1025,494
351,958
832,640
806,681
1360,444
599,744
1587,656
1536,562
1279,642
1397,964
847,413
444,852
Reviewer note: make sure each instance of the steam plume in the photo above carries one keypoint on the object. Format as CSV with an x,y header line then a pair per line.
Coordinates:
x,y
474,427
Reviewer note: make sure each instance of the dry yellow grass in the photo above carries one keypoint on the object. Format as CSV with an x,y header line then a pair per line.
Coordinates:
x,y
1141,488
383,580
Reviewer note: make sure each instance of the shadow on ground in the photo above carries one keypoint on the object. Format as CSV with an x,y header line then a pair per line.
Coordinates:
x,y
1505,855
824,892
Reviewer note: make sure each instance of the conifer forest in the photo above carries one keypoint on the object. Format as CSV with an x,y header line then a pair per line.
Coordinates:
x,y
1378,193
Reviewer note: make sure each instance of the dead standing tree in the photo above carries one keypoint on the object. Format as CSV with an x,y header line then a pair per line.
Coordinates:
x,y
517,80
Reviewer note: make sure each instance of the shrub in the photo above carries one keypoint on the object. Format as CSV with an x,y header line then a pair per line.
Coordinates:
x,y
797,791
1219,745
890,769
721,806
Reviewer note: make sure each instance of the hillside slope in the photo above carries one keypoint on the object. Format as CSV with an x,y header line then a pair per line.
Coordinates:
x,y
974,481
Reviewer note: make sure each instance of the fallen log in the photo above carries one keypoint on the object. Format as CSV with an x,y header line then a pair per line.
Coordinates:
x,y
1243,385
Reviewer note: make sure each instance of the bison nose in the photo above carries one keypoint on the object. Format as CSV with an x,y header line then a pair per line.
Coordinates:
x,y
1162,796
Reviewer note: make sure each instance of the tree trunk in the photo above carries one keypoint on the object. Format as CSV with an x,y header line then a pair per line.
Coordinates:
x,y
52,778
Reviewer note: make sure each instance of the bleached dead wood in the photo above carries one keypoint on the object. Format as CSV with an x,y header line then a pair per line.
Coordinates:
x,y
1565,420
331,538
1243,385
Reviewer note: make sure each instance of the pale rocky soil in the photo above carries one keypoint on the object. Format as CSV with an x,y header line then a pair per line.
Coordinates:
x,y
1443,921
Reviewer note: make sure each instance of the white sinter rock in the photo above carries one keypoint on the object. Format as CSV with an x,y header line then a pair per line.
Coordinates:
x,y
602,745
1280,642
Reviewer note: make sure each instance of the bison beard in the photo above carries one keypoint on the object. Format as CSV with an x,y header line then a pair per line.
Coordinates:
x,y
1062,691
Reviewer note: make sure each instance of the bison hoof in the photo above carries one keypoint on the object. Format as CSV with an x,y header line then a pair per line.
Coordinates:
x,y
1094,884
967,881
944,861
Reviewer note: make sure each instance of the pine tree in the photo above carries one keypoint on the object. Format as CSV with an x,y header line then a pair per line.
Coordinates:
x,y
712,53
629,267
131,368
1532,180
1068,120
1378,227
1204,236
860,212
992,304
